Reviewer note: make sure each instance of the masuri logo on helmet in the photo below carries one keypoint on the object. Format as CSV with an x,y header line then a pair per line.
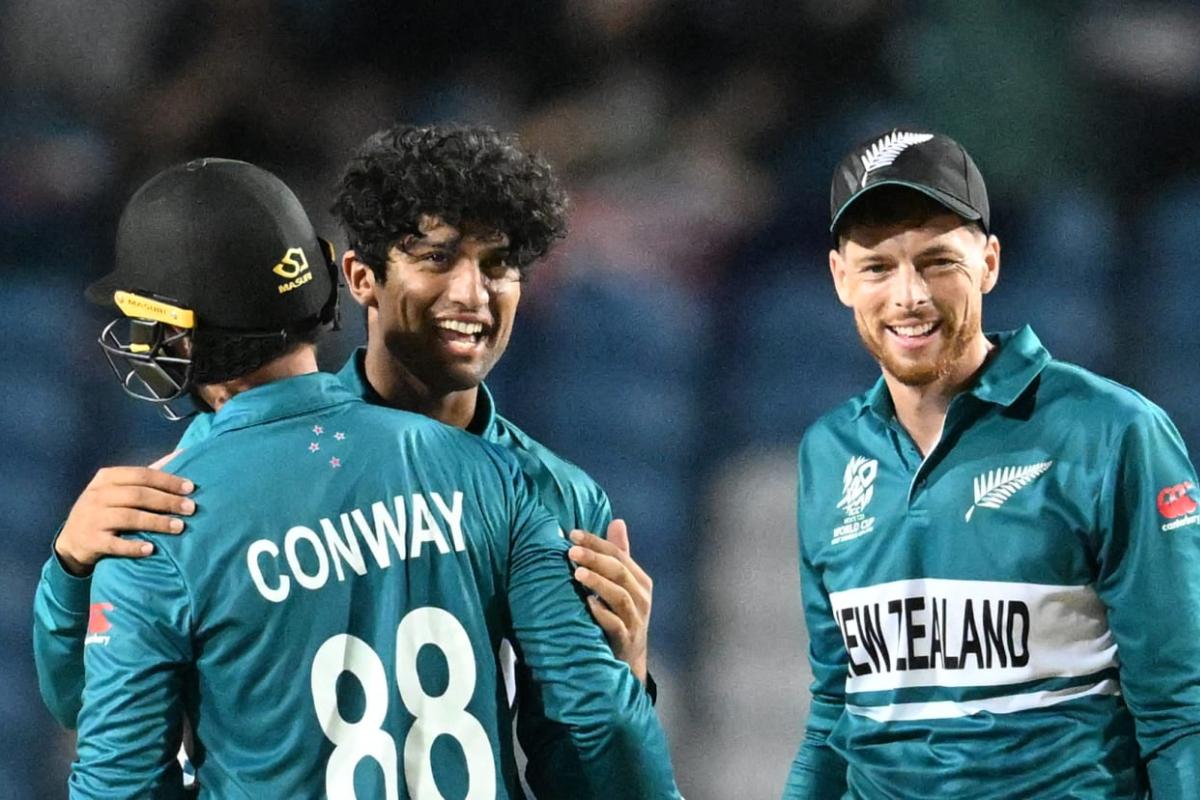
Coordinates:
x,y
198,253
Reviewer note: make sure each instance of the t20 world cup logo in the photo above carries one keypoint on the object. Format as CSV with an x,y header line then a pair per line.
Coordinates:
x,y
858,485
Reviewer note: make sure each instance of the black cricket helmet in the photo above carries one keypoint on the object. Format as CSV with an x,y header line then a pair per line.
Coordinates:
x,y
211,245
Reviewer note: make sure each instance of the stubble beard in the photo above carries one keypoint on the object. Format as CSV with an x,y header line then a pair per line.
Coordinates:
x,y
955,340
414,354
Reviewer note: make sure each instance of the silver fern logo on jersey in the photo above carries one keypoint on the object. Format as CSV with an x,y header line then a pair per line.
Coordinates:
x,y
993,488
885,151
858,487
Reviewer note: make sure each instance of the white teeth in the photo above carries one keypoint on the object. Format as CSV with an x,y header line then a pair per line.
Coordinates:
x,y
470,328
914,330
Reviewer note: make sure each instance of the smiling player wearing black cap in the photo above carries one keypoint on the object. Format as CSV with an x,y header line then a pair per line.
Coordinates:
x,y
1000,552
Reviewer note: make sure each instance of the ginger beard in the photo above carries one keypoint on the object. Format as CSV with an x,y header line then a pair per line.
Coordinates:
x,y
954,336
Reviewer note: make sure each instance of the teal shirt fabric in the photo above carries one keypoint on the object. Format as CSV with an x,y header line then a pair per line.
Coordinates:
x,y
332,618
574,499
576,502
568,492
60,618
1015,615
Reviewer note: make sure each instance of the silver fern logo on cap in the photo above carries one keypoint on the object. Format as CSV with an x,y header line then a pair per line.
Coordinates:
x,y
885,151
994,487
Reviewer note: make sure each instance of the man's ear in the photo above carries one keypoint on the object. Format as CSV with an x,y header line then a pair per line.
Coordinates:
x,y
837,269
360,279
991,261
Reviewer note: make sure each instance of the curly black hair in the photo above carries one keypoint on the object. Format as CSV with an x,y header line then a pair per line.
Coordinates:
x,y
459,173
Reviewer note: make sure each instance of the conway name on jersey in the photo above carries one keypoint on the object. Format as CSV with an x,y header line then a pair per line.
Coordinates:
x,y
331,621
61,605
574,499
1016,614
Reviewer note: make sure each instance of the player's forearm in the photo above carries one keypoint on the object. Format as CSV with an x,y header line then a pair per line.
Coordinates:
x,y
609,738
60,618
112,782
127,738
817,773
603,742
596,734
132,713
619,752
1174,771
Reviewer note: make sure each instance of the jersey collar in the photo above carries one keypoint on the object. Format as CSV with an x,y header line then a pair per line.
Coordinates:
x,y
1019,359
483,424
353,376
289,397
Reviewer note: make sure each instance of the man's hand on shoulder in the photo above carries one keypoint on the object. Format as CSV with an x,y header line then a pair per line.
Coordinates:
x,y
623,592
121,499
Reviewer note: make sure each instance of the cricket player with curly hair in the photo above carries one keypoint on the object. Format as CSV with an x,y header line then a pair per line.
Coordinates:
x,y
444,223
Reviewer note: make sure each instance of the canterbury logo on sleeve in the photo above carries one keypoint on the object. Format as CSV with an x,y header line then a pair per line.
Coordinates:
x,y
1177,505
98,624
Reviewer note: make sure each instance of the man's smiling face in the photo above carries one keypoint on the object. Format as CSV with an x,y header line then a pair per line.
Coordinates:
x,y
917,289
447,307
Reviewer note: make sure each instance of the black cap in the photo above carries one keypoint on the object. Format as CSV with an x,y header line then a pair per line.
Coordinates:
x,y
930,163
226,240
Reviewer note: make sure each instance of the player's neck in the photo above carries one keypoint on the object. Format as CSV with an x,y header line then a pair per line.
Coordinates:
x,y
399,388
921,410
301,361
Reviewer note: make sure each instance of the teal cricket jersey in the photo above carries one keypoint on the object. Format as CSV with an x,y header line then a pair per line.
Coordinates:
x,y
331,621
1016,615
569,493
576,502
61,608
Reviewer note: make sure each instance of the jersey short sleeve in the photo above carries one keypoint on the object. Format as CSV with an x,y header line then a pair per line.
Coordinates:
x,y
1149,579
134,657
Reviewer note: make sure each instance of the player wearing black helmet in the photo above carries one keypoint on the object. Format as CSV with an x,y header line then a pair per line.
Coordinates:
x,y
341,540
194,314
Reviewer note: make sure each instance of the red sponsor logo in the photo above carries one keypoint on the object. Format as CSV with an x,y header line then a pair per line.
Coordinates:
x,y
1174,502
97,622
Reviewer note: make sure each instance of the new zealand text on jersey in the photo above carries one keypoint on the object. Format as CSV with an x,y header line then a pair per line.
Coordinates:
x,y
404,527
926,633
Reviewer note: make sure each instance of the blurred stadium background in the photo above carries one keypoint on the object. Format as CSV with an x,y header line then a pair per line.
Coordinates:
x,y
686,333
